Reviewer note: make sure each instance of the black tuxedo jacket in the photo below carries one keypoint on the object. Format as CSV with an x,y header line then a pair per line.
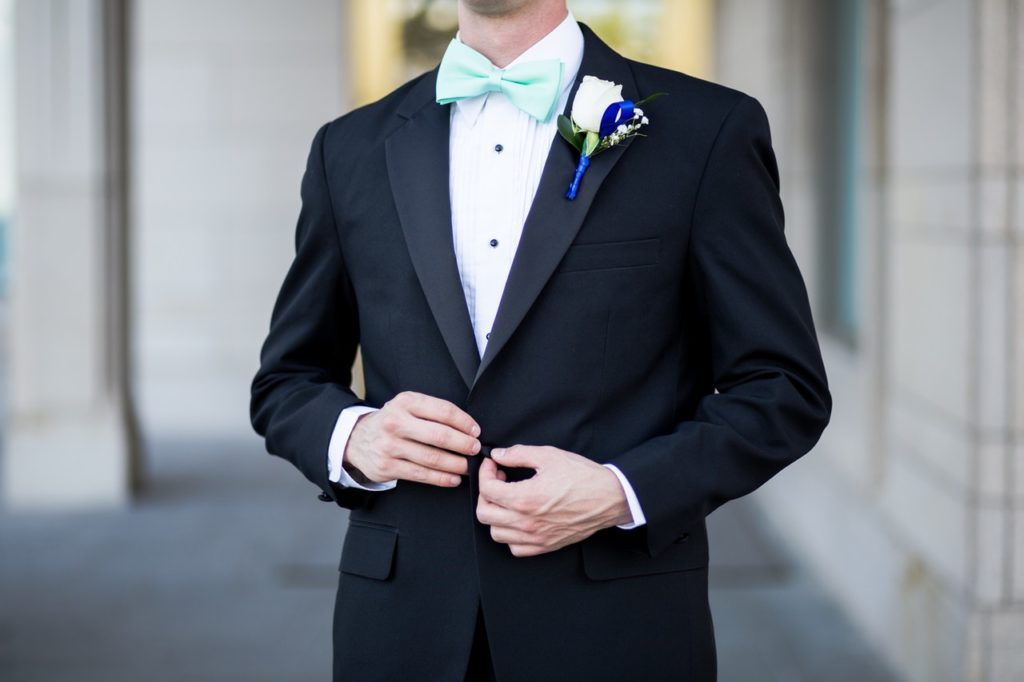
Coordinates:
x,y
658,322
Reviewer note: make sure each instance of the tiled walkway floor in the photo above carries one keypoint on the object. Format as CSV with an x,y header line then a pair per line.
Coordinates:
x,y
225,570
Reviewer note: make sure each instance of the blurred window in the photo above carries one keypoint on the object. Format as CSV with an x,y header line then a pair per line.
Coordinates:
x,y
841,146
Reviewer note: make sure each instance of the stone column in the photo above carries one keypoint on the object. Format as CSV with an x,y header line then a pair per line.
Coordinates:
x,y
71,440
995,573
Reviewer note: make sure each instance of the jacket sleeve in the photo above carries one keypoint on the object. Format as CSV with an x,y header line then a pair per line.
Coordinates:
x,y
771,400
302,384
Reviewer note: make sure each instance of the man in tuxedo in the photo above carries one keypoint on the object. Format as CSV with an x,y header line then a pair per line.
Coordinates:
x,y
558,392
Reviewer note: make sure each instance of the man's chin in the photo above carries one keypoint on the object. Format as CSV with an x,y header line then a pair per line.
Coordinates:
x,y
496,8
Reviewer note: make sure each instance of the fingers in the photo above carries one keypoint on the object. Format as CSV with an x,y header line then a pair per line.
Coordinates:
x,y
518,496
439,410
437,434
432,421
528,456
512,536
488,469
408,471
395,443
492,488
510,527
520,542
527,550
433,458
491,514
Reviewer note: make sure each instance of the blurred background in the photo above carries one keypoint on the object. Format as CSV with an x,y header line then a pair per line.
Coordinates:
x,y
150,159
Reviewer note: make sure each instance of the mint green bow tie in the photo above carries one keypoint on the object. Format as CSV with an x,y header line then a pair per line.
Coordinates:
x,y
531,86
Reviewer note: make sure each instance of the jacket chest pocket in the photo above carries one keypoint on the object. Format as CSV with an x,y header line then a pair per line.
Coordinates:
x,y
610,255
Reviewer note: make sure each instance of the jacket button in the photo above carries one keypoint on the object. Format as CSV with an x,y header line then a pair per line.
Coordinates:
x,y
324,497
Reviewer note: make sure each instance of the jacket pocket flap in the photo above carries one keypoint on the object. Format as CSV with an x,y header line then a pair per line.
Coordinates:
x,y
604,255
368,550
605,560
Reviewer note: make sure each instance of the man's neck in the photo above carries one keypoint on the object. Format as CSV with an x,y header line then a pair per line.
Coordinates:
x,y
503,37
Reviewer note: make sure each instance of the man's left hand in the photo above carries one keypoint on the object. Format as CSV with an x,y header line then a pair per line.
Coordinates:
x,y
568,499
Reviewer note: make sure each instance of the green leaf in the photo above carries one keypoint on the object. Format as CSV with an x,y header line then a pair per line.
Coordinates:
x,y
640,103
590,143
567,129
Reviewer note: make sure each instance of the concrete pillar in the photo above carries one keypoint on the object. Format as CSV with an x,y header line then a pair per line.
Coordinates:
x,y
71,437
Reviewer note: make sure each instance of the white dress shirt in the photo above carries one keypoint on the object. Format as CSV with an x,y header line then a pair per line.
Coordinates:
x,y
496,153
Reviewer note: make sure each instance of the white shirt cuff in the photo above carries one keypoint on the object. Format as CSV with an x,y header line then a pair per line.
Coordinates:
x,y
634,504
336,450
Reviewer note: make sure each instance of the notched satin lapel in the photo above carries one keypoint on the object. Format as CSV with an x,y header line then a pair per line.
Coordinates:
x,y
418,170
553,221
417,161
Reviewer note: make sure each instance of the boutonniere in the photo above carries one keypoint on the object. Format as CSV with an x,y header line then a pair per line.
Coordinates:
x,y
600,119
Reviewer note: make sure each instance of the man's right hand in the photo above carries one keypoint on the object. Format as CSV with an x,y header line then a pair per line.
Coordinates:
x,y
413,437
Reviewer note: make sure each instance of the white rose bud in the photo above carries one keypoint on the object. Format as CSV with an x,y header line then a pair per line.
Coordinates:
x,y
592,98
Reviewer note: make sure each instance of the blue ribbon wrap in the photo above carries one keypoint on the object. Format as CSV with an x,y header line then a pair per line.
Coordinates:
x,y
580,170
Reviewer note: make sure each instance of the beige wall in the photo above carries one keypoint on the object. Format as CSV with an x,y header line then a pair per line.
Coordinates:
x,y
912,506
227,95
